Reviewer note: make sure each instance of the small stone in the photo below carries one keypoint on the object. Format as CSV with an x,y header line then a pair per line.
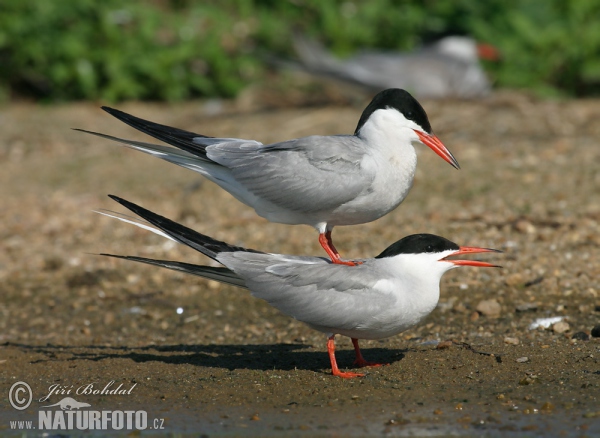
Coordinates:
x,y
523,359
438,412
596,331
354,397
526,307
581,336
254,417
524,226
526,381
583,308
514,279
560,327
547,407
489,308
444,344
511,341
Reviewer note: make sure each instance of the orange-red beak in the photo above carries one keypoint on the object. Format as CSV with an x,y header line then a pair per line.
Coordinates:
x,y
471,250
438,147
488,52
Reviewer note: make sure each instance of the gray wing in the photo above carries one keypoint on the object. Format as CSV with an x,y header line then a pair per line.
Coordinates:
x,y
317,293
308,174
426,74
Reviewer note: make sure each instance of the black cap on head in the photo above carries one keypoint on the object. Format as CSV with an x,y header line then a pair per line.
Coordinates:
x,y
417,244
400,100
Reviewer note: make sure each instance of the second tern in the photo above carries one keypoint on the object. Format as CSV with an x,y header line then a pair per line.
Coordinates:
x,y
378,298
321,181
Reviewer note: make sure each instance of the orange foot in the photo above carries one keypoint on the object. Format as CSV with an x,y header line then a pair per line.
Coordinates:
x,y
327,244
348,375
339,261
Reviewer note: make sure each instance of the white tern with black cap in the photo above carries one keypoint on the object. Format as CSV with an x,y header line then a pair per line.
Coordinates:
x,y
378,298
321,181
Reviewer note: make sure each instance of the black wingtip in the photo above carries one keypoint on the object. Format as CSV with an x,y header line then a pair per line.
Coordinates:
x,y
180,138
123,202
123,116
109,109
198,241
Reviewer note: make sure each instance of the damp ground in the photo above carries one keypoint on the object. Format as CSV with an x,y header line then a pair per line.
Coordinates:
x,y
209,358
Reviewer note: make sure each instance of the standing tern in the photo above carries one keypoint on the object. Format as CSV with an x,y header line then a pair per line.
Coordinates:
x,y
378,298
322,181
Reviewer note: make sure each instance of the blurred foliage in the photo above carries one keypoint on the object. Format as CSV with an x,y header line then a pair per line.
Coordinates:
x,y
177,49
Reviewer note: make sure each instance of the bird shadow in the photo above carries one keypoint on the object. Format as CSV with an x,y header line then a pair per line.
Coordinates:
x,y
231,357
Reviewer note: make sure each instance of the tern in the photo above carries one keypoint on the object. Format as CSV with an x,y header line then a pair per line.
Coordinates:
x,y
321,181
447,68
378,298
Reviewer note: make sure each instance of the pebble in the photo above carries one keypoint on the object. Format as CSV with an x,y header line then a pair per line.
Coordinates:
x,y
524,226
526,307
514,279
444,344
560,327
581,336
523,359
547,407
596,331
526,381
511,341
489,308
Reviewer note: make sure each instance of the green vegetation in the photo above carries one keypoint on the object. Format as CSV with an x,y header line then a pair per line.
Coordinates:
x,y
172,50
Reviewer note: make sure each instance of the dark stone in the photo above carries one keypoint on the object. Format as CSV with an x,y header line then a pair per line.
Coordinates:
x,y
581,336
596,331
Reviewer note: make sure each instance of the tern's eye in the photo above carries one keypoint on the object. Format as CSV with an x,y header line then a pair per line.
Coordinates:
x,y
410,115
429,248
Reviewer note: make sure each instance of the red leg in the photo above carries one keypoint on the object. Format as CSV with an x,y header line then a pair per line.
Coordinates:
x,y
327,244
334,368
360,360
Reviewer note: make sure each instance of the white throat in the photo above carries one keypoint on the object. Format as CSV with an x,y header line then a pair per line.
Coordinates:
x,y
387,131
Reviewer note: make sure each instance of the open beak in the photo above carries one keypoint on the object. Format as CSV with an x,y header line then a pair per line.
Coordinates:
x,y
471,250
438,147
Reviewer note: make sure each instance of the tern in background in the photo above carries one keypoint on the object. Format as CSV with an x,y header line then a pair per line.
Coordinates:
x,y
321,181
378,298
447,68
